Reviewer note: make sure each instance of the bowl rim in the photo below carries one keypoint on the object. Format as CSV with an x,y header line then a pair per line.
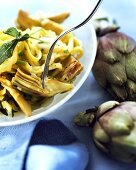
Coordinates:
x,y
48,111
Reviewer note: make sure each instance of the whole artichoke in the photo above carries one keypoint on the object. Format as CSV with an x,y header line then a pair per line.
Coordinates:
x,y
115,64
113,128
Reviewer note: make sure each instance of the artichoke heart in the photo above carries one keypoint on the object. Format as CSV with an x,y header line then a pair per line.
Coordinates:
x,y
32,85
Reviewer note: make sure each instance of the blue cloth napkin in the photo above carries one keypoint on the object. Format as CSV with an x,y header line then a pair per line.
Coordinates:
x,y
52,146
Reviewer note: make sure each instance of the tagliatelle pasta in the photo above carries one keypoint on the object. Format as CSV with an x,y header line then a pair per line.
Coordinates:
x,y
21,73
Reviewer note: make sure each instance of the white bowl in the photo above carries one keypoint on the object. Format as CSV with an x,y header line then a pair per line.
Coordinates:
x,y
79,11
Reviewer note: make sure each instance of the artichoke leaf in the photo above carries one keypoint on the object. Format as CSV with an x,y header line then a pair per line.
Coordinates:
x,y
117,122
105,107
120,92
101,146
130,107
131,88
99,72
127,142
131,65
123,43
99,134
107,52
115,73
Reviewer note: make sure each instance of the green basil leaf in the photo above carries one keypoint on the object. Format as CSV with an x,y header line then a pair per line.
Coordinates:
x,y
24,37
66,51
6,50
13,32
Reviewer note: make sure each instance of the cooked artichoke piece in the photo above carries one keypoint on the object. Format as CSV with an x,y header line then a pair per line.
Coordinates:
x,y
24,21
54,86
60,17
23,104
33,85
28,84
72,68
51,25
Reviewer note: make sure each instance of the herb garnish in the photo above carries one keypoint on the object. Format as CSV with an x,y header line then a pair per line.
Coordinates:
x,y
66,51
7,49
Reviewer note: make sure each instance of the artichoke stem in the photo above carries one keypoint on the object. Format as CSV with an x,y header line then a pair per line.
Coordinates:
x,y
87,118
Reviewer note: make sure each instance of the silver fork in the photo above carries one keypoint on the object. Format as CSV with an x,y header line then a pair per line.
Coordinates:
x,y
47,61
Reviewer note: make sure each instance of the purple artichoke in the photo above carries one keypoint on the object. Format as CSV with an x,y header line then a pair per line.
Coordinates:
x,y
113,128
115,64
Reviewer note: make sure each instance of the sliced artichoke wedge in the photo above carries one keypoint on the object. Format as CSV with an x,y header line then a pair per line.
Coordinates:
x,y
32,85
72,67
